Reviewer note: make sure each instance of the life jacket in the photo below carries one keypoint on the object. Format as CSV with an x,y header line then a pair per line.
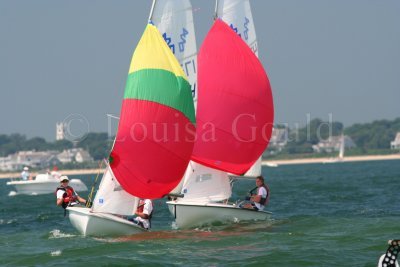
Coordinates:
x,y
141,207
68,196
264,200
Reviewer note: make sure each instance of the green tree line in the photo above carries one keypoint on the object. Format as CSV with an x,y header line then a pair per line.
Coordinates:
x,y
368,137
97,144
375,135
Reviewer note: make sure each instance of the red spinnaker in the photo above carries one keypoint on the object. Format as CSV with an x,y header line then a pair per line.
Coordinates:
x,y
151,149
235,106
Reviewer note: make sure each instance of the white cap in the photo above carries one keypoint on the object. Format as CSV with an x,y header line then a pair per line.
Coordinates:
x,y
63,178
26,168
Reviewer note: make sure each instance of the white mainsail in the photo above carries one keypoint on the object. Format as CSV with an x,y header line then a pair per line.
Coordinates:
x,y
112,198
237,14
203,184
174,20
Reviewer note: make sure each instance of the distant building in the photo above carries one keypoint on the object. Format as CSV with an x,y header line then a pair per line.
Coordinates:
x,y
333,144
74,155
60,130
83,156
7,164
31,158
42,159
395,144
279,138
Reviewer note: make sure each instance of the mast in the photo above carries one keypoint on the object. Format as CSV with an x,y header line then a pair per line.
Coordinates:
x,y
216,10
152,10
341,149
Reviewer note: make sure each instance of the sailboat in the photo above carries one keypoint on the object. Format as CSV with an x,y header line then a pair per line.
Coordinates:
x,y
340,156
232,86
153,144
107,216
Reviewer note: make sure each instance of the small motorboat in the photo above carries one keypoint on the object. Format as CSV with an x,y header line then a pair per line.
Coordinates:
x,y
44,184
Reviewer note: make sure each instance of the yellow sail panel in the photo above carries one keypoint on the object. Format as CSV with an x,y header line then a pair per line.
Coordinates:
x,y
149,54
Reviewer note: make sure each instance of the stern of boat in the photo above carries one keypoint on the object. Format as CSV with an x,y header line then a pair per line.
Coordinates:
x,y
79,218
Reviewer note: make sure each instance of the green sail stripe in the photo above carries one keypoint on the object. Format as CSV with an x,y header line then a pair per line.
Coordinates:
x,y
161,86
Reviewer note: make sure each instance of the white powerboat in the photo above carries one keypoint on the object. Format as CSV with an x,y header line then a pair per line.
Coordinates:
x,y
44,184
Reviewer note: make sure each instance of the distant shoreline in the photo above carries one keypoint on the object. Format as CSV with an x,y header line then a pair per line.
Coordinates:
x,y
63,172
264,163
325,160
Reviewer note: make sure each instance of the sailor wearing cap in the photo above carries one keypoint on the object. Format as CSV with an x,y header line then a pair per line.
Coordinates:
x,y
66,195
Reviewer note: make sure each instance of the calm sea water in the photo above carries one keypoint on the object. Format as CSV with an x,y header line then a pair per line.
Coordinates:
x,y
323,215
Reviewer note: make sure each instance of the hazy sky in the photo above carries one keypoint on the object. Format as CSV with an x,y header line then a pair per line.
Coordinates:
x,y
59,58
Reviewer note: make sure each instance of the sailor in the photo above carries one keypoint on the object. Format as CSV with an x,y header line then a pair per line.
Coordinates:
x,y
144,213
259,200
25,174
66,195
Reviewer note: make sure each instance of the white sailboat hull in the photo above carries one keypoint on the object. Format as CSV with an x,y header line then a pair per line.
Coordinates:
x,y
332,160
271,164
90,223
189,214
40,187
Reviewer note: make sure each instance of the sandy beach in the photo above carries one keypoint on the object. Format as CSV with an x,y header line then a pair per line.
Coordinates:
x,y
265,163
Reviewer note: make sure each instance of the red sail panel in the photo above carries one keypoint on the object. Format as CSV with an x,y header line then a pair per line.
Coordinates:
x,y
152,148
235,106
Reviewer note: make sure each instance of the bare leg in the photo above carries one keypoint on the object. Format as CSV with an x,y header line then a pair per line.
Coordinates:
x,y
248,206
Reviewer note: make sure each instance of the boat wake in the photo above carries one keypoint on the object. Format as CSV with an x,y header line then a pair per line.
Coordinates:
x,y
12,193
58,234
55,253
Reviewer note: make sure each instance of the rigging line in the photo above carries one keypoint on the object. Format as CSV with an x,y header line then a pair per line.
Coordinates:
x,y
152,10
90,196
216,10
